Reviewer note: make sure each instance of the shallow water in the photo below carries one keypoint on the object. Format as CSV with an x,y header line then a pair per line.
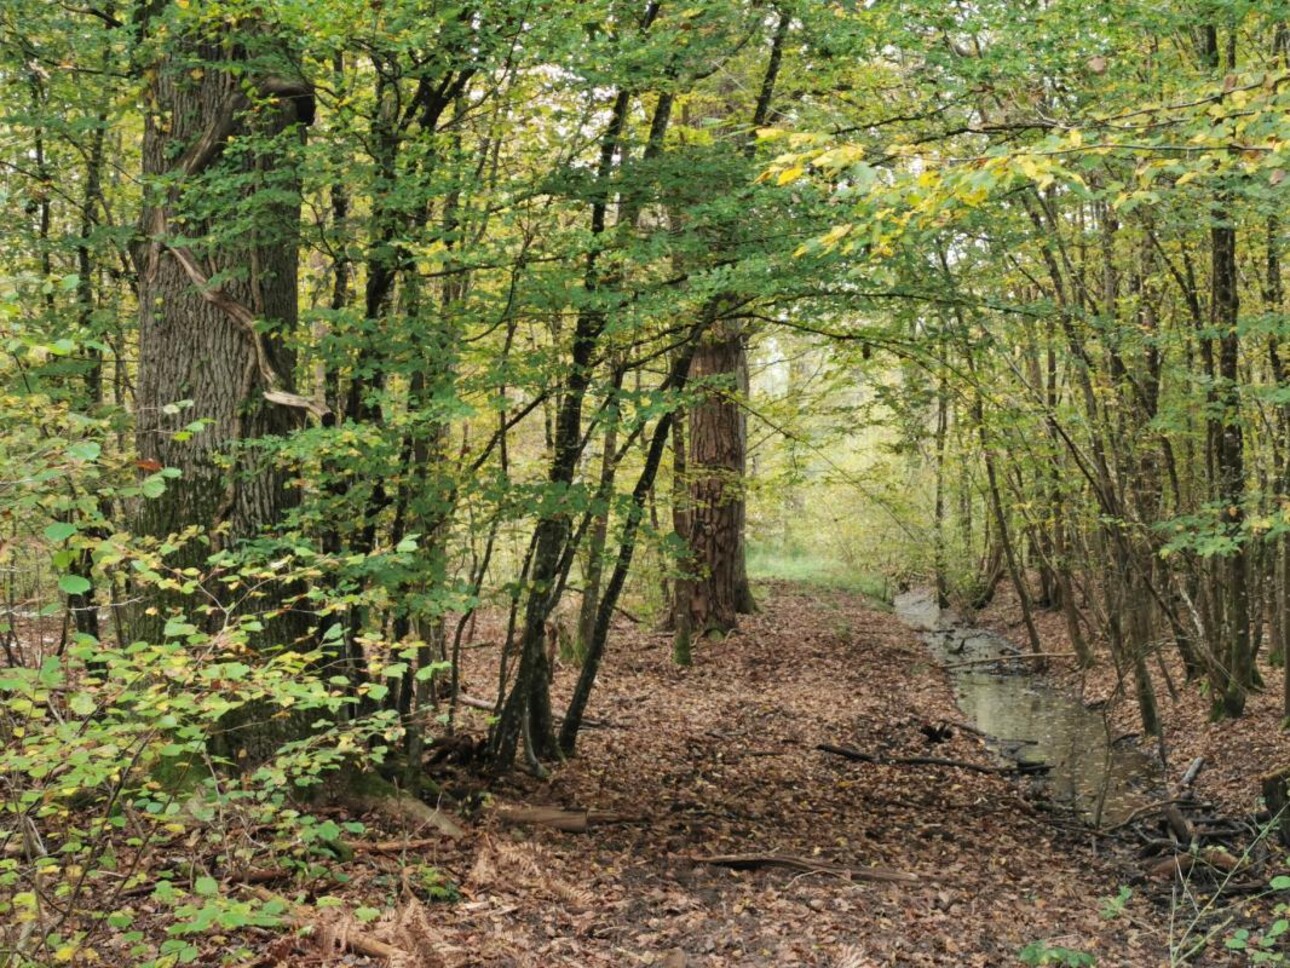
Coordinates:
x,y
1031,721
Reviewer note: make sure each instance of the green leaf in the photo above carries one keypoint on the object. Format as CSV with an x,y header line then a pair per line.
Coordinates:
x,y
60,531
74,585
85,450
206,887
328,830
367,914
165,892
82,703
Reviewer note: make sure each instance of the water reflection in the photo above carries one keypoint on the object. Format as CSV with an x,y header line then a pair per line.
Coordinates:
x,y
1032,721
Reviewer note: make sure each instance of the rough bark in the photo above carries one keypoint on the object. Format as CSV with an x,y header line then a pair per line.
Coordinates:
x,y
215,306
714,468
213,314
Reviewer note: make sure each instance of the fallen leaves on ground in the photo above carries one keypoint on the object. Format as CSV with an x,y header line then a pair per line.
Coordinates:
x,y
720,759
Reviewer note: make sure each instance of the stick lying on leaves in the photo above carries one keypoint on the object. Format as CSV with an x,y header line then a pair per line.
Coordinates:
x,y
851,754
753,861
570,821
1019,657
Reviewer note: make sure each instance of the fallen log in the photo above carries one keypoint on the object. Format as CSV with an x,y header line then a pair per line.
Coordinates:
x,y
862,757
1167,868
1181,828
755,861
406,809
571,821
1180,865
1143,811
263,876
301,917
1189,777
474,703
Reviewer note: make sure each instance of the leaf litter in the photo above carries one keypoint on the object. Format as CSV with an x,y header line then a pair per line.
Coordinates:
x,y
699,825
719,761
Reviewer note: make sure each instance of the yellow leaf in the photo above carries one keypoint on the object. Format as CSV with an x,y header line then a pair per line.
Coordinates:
x,y
790,175
840,157
836,234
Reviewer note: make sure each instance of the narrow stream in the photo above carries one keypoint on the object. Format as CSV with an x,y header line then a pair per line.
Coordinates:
x,y
1029,720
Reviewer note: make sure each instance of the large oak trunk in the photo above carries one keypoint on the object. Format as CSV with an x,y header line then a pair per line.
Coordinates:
x,y
217,294
214,305
715,471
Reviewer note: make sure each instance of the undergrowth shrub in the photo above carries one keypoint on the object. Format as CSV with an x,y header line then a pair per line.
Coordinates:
x,y
137,790
113,804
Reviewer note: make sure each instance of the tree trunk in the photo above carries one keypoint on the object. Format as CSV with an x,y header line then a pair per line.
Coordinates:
x,y
715,486
595,567
526,712
745,604
1231,466
678,614
626,549
217,345
215,305
940,561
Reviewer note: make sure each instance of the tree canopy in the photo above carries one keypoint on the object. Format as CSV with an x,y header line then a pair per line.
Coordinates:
x,y
333,327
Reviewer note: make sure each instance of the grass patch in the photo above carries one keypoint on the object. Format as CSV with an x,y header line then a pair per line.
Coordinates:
x,y
766,564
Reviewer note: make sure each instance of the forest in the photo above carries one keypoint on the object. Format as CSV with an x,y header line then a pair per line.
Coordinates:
x,y
601,482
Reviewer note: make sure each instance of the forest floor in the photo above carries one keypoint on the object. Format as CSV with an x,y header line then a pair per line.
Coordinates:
x,y
720,759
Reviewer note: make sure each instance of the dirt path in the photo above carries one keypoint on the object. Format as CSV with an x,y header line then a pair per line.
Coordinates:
x,y
720,759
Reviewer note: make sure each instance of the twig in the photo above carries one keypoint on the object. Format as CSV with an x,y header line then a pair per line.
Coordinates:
x,y
753,861
484,704
850,754
574,821
1146,810
1009,658
393,846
